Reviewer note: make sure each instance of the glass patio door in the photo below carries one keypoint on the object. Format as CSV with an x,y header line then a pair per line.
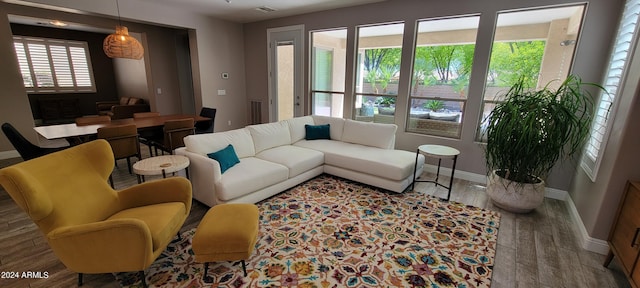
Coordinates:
x,y
285,72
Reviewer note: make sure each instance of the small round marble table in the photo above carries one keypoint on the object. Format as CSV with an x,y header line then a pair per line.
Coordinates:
x,y
160,165
440,152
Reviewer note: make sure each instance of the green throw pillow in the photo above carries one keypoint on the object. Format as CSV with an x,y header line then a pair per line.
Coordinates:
x,y
315,132
226,157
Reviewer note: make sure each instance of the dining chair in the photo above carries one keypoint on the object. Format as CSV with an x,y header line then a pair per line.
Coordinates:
x,y
174,132
26,149
149,135
93,119
89,120
124,143
145,114
206,126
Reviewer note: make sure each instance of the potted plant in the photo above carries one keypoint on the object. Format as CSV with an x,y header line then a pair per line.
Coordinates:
x,y
386,105
528,133
434,105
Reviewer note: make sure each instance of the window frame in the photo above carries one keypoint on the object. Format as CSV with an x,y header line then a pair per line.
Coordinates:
x,y
360,58
55,68
330,93
590,162
462,101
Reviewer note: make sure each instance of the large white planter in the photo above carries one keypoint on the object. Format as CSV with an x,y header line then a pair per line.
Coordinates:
x,y
514,197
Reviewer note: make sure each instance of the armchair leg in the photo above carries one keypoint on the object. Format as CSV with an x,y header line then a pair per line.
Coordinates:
x,y
143,278
129,164
206,269
179,236
111,181
244,268
80,279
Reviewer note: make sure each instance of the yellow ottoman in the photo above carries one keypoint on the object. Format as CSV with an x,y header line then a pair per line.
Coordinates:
x,y
228,232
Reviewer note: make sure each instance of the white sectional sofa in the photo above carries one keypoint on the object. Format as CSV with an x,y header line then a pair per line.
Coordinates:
x,y
275,157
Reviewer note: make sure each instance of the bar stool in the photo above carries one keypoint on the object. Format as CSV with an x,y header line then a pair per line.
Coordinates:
x,y
440,152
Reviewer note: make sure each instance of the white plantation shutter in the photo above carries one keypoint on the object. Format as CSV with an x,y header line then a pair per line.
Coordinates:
x,y
616,72
52,66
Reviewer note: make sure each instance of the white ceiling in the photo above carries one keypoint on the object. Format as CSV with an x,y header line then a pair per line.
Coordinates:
x,y
244,11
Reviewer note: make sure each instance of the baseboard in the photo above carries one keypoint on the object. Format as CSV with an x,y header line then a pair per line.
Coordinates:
x,y
9,154
557,194
482,179
464,175
586,242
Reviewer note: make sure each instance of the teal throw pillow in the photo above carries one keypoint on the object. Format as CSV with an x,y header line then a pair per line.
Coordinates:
x,y
226,157
315,132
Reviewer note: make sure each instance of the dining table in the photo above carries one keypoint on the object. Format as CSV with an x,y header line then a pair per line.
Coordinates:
x,y
72,130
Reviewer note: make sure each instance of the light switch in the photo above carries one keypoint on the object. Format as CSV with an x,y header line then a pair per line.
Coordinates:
x,y
222,92
159,91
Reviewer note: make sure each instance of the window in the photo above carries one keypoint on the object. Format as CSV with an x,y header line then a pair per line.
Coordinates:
x,y
537,44
441,71
327,72
50,65
616,71
378,71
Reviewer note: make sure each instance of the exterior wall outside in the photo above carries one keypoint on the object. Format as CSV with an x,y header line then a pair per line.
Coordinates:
x,y
594,44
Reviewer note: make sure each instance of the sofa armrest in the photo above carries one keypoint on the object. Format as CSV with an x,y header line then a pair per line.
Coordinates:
x,y
174,189
105,105
124,245
204,173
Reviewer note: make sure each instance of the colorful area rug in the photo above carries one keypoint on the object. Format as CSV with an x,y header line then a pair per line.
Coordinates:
x,y
331,232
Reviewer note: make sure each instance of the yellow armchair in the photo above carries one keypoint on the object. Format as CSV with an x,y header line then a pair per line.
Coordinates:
x,y
89,226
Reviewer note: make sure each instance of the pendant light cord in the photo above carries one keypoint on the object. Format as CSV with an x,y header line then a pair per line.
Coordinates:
x,y
118,8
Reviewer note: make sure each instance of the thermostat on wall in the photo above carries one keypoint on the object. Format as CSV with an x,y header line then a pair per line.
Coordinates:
x,y
225,75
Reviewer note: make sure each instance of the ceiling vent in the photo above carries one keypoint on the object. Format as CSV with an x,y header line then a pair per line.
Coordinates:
x,y
265,9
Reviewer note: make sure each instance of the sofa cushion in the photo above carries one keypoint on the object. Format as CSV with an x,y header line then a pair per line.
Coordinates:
x,y
270,135
337,125
124,100
296,127
134,101
369,134
250,175
385,163
297,159
226,158
316,132
162,219
204,144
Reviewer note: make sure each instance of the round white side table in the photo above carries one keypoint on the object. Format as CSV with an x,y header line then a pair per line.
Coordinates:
x,y
440,152
160,165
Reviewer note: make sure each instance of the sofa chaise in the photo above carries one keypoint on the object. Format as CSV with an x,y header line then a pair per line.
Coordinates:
x,y
276,156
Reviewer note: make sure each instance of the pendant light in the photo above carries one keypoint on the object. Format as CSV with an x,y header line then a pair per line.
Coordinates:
x,y
120,44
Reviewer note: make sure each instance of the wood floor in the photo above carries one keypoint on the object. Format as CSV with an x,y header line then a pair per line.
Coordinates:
x,y
538,249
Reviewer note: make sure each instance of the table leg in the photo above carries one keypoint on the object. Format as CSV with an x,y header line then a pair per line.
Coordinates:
x,y
139,178
415,167
438,172
186,171
453,170
164,174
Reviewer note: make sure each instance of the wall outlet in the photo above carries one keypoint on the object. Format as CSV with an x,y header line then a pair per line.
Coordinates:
x,y
229,123
222,92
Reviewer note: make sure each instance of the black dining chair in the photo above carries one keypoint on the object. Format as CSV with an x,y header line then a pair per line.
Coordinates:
x,y
26,149
206,126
